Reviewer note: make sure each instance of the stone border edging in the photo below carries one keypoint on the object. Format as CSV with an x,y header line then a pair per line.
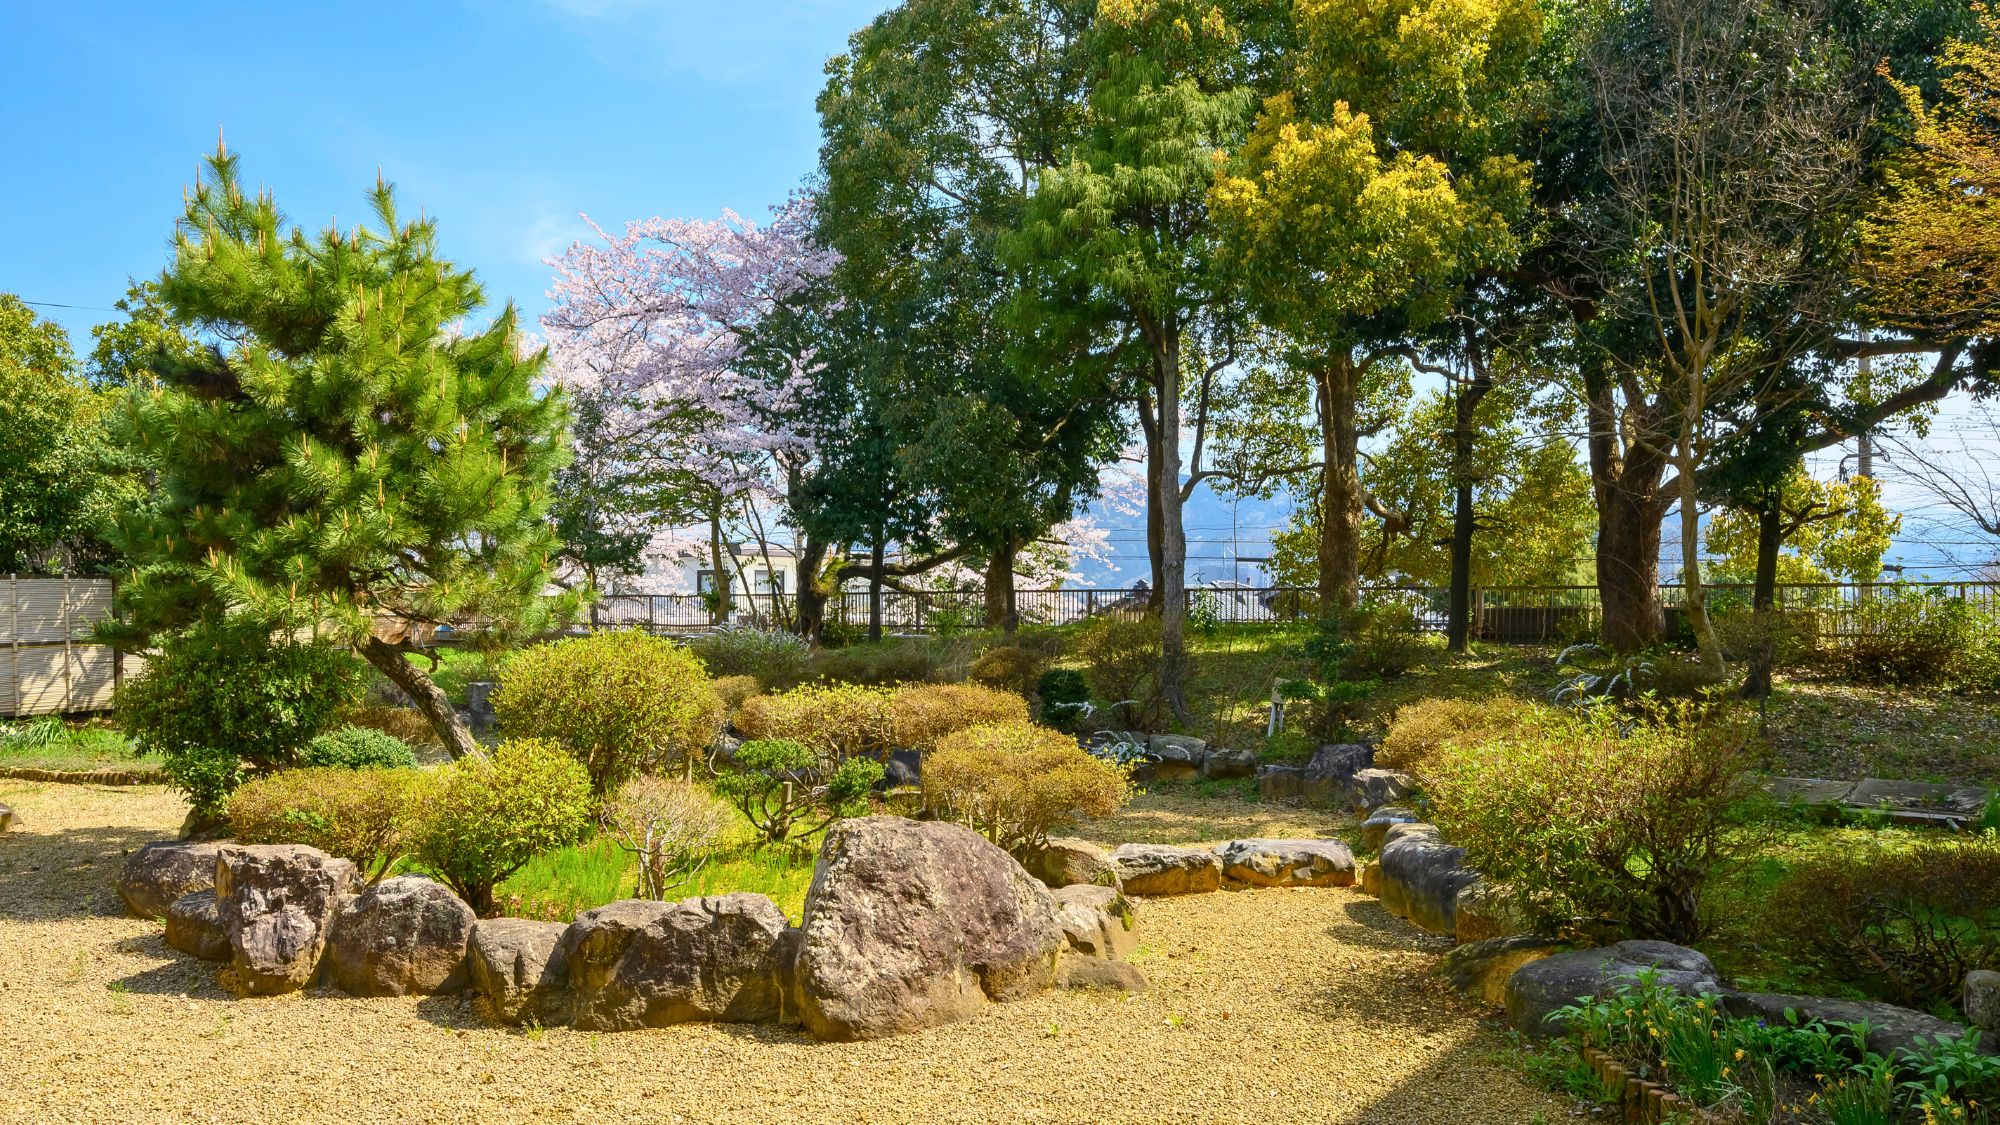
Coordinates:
x,y
85,777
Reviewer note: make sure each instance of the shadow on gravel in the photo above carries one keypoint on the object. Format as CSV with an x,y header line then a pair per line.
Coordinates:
x,y
49,876
1366,923
179,975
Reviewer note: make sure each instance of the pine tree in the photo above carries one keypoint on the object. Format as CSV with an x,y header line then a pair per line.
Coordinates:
x,y
352,461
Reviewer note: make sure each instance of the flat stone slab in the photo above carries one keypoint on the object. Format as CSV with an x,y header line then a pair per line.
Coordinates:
x,y
1809,790
1918,797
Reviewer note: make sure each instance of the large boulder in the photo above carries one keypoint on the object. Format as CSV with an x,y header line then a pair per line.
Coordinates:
x,y
1371,789
1421,878
1065,861
1980,1000
1537,989
1172,757
910,925
1096,921
1287,863
1331,768
637,963
403,936
1224,765
1280,783
164,870
195,928
517,964
1375,829
1488,910
1151,870
277,902
1480,969
1891,1030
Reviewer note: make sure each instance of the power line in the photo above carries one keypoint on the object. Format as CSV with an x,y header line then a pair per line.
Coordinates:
x,y
60,305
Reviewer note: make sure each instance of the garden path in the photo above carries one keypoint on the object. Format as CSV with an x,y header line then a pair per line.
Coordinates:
x,y
1268,1006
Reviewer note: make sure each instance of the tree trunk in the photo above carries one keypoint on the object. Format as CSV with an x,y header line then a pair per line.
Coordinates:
x,y
875,588
1001,611
1764,597
721,585
1149,426
1629,510
1340,488
811,620
1173,534
435,705
1694,595
1458,603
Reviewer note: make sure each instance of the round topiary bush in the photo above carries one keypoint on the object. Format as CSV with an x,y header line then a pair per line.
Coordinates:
x,y
1015,783
623,703
922,714
360,814
359,748
222,700
477,820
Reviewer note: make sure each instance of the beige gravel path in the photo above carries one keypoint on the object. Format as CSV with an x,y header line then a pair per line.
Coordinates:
x,y
1270,1006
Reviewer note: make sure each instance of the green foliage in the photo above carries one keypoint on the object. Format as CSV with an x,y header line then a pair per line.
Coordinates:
x,y
671,827
217,698
1911,636
51,442
1837,531
477,820
1121,659
1421,730
775,657
352,461
457,668
1064,695
1008,667
920,715
358,748
623,702
1598,820
362,814
889,663
788,790
558,885
837,721
400,723
1015,783
1904,925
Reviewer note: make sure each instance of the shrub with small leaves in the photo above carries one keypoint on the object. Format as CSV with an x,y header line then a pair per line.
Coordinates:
x,y
1914,636
731,691
359,748
1015,783
921,714
1064,695
789,790
773,656
1008,667
361,814
477,820
837,721
404,724
672,826
1421,729
1121,658
622,702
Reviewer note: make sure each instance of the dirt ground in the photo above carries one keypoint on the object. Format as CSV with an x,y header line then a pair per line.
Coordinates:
x,y
1268,1006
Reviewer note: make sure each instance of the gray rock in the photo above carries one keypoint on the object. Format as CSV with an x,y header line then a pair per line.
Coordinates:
x,y
637,963
1891,1029
1421,877
1371,789
1375,829
1405,828
1480,969
1178,748
1097,973
725,746
1287,863
1280,783
195,928
277,902
1371,878
401,937
162,871
1981,1000
1540,987
1331,768
1066,861
904,768
1224,765
1488,910
1152,870
1096,921
518,965
911,925
479,706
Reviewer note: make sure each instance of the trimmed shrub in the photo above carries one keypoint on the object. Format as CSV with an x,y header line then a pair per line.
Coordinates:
x,y
1596,820
775,657
477,820
1383,642
622,702
359,748
1064,696
921,714
1121,659
361,814
836,720
672,826
1911,637
731,691
1904,926
788,790
1015,783
401,723
218,699
878,665
1421,729
1008,667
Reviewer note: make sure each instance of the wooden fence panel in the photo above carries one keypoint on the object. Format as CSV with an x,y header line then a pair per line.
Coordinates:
x,y
47,667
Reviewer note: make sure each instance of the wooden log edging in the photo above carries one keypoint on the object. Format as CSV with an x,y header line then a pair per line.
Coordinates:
x,y
1642,1102
86,777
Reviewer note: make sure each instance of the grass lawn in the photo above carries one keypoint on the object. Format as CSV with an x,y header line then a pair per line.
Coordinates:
x,y
559,885
51,744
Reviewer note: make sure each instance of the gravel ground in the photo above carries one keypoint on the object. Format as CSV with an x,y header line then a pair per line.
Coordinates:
x,y
1269,1006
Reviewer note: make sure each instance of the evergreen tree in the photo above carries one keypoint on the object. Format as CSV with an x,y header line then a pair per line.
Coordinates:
x,y
353,463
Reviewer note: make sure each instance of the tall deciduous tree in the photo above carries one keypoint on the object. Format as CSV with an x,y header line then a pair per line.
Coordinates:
x,y
51,436
354,461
